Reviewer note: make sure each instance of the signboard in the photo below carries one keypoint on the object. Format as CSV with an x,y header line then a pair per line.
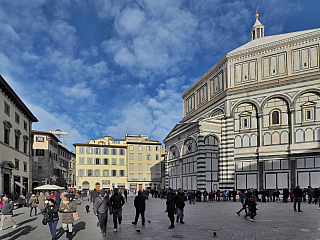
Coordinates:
x,y
105,183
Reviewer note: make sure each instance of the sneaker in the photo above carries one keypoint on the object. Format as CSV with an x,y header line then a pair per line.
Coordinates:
x,y
238,213
134,223
104,234
182,222
252,220
14,226
115,230
170,227
300,211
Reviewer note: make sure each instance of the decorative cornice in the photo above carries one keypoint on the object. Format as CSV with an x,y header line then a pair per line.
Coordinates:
x,y
276,45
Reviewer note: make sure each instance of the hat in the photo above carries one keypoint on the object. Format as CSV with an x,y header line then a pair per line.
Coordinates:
x,y
52,200
33,195
67,196
102,191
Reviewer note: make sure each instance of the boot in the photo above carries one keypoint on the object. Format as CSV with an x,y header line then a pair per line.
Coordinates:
x,y
67,232
70,236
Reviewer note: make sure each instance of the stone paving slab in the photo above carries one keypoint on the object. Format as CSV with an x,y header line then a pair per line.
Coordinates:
x,y
274,221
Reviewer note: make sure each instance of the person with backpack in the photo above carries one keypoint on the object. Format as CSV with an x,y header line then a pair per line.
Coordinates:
x,y
7,211
117,201
243,202
100,209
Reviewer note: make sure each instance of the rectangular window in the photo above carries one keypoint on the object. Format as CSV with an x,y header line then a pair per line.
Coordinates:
x,y
39,139
157,176
114,151
97,161
114,161
89,161
131,147
148,167
131,156
131,176
156,148
121,173
25,147
17,118
25,125
148,157
140,167
190,103
39,169
140,156
7,108
114,173
106,161
148,148
17,140
39,152
16,166
106,173
97,173
149,177
157,167
131,166
105,151
81,150
140,148
89,173
97,151
121,161
6,135
140,177
122,152
157,157
89,150
25,167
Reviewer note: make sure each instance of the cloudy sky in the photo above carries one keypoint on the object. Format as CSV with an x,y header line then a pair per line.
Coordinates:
x,y
106,68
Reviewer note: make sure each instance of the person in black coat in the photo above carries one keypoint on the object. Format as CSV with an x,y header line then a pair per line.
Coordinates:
x,y
285,195
117,201
298,193
94,195
179,200
52,217
140,205
171,206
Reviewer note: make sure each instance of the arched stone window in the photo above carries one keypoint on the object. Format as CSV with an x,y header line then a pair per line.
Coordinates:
x,y
189,146
85,185
211,141
275,117
174,152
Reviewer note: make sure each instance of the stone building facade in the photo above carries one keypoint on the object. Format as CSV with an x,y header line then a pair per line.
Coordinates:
x,y
15,141
252,121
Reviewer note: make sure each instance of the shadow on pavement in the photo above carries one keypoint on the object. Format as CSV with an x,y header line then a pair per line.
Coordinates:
x,y
76,228
17,214
26,221
19,232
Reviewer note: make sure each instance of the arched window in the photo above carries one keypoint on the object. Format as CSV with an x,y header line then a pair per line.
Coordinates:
x,y
211,141
189,146
174,153
275,117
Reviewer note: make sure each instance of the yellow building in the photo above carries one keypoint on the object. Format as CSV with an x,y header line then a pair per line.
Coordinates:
x,y
144,163
101,163
132,163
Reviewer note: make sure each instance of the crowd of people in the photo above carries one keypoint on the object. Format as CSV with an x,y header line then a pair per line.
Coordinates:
x,y
50,204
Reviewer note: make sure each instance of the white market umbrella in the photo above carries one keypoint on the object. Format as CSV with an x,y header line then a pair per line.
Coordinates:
x,y
49,187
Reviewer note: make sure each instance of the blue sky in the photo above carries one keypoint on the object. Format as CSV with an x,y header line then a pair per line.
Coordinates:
x,y
106,68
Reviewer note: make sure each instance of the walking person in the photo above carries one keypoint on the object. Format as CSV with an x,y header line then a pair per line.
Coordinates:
x,y
41,200
285,195
94,195
243,203
140,205
310,192
179,200
252,203
52,217
100,209
117,201
297,192
125,193
7,212
29,195
171,206
33,204
205,195
67,208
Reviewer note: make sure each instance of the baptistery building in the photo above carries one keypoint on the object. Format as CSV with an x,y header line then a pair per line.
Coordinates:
x,y
252,120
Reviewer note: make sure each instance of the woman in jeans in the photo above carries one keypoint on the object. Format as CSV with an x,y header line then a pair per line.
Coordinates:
x,y
51,213
67,208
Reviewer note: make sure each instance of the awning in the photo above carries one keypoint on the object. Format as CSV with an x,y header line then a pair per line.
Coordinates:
x,y
19,184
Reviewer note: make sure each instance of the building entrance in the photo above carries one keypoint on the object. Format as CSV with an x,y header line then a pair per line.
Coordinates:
x,y
6,183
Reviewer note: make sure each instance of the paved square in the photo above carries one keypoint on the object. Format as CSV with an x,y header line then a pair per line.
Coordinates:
x,y
274,221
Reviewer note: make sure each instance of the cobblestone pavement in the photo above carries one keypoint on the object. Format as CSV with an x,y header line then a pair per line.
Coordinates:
x,y
274,221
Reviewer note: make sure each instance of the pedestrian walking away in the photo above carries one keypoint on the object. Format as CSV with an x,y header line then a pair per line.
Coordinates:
x,y
33,204
52,217
243,202
7,212
100,209
117,201
67,208
298,194
171,206
140,205
180,204
41,200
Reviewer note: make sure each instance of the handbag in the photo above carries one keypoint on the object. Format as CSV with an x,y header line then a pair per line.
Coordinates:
x,y
75,215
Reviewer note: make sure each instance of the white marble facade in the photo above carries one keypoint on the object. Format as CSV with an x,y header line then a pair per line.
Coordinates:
x,y
252,121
